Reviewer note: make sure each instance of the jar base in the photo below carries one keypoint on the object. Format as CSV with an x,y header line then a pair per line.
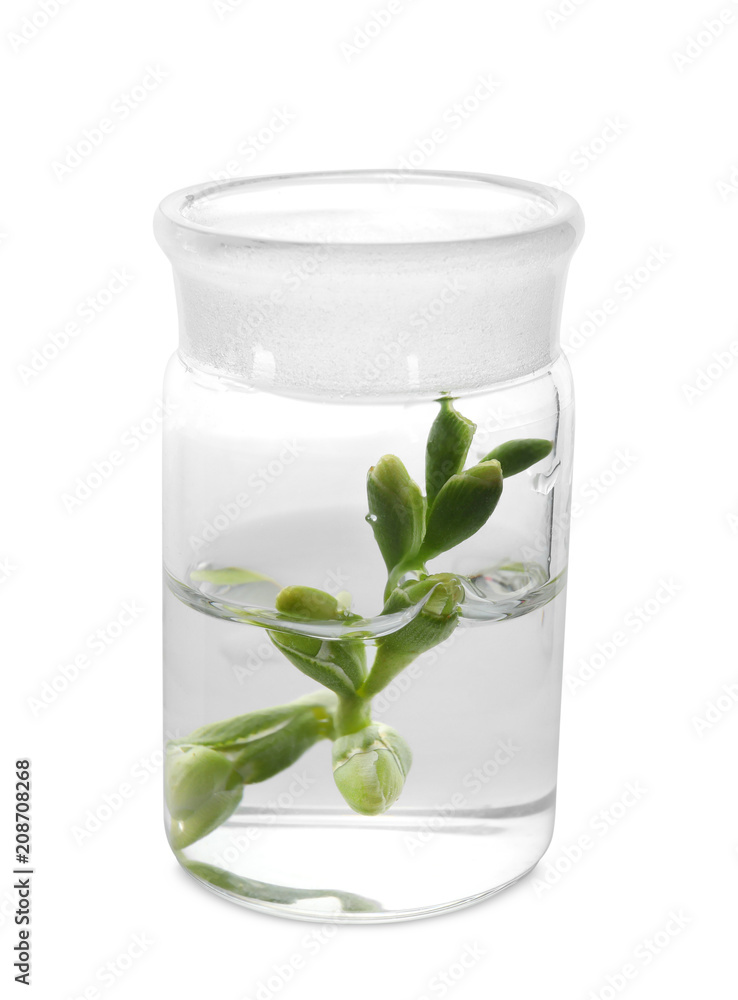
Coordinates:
x,y
379,917
396,871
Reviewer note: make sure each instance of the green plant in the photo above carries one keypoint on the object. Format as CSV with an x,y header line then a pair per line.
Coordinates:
x,y
206,772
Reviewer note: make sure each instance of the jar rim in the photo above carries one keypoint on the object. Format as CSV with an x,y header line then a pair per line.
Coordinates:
x,y
401,209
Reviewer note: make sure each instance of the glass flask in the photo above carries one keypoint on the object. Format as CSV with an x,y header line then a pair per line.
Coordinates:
x,y
367,477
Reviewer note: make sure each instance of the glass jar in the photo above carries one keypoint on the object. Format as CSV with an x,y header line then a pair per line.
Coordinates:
x,y
366,511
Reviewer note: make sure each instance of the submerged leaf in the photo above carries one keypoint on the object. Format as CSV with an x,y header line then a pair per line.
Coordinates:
x,y
255,724
338,664
267,755
202,790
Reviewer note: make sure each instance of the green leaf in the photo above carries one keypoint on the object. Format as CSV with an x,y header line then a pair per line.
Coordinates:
x,y
205,774
396,510
265,756
230,576
462,508
370,768
337,664
516,456
255,724
448,445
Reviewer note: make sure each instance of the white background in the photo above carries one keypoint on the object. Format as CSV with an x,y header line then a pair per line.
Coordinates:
x,y
614,102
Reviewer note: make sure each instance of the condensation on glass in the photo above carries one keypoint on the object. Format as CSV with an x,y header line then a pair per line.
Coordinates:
x,y
321,320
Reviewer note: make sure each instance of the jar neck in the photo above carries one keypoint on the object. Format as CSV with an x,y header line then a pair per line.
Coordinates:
x,y
444,313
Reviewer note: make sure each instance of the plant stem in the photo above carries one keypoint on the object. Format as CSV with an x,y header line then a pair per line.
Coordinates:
x,y
352,714
387,665
413,565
